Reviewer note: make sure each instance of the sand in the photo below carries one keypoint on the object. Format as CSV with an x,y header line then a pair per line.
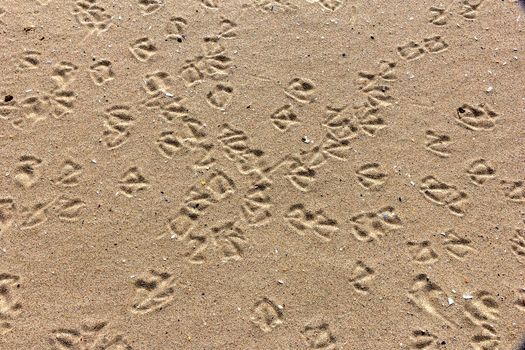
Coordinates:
x,y
262,174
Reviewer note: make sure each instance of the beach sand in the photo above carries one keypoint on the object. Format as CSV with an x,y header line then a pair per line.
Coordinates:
x,y
262,174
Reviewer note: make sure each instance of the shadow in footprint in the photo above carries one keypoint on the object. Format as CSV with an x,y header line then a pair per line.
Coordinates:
x,y
521,345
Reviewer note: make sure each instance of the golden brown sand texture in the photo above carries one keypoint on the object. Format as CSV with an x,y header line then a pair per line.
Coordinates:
x,y
262,174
